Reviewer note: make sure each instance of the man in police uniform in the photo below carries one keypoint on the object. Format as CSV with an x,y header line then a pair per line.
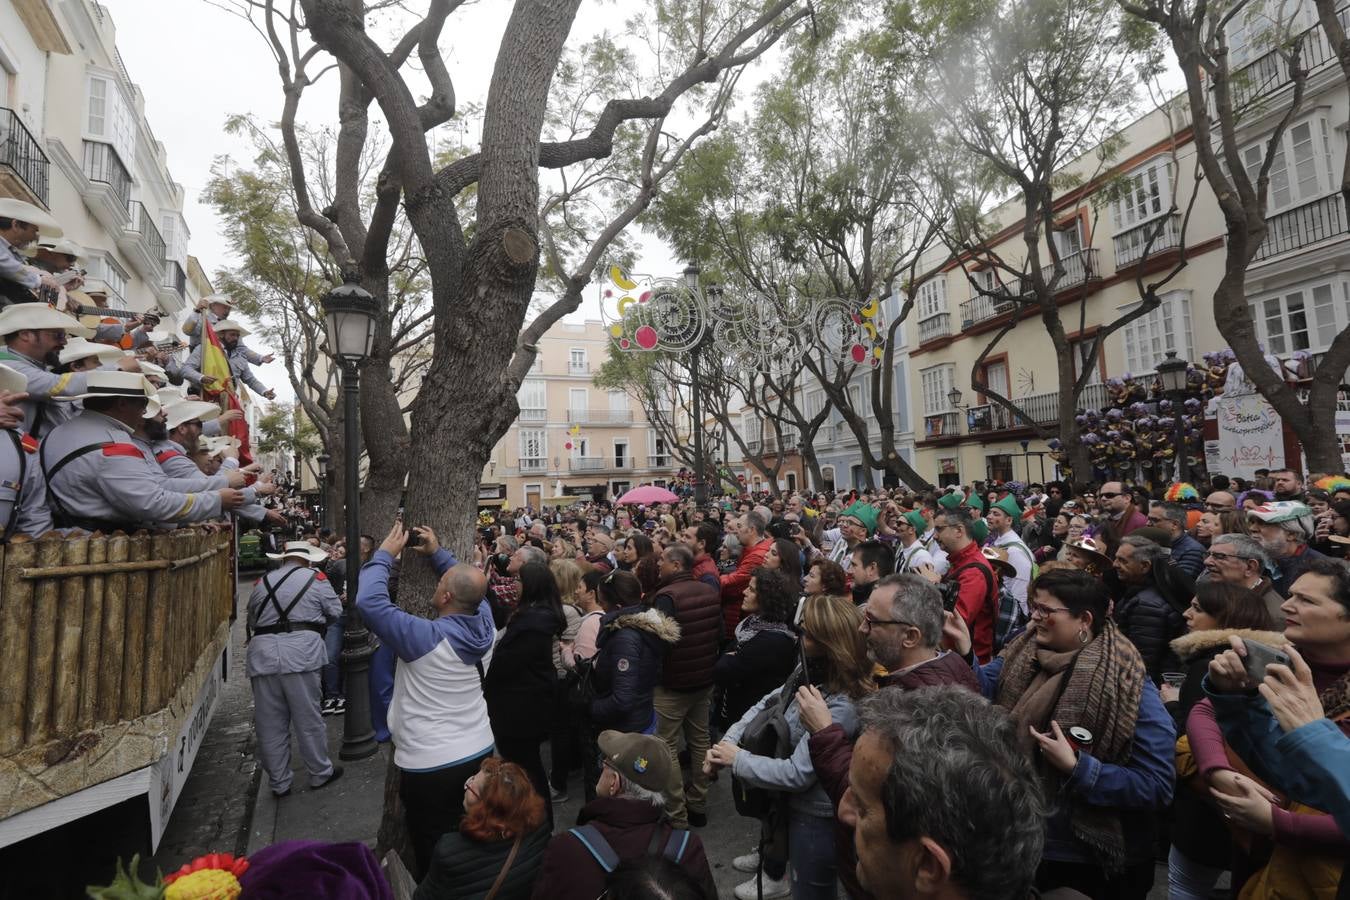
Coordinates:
x,y
288,612
23,503
34,335
236,354
99,478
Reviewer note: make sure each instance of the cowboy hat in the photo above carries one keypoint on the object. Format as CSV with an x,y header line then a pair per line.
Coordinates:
x,y
116,384
300,549
150,370
189,411
168,395
63,246
222,299
1089,549
39,317
14,208
79,348
11,382
230,325
998,558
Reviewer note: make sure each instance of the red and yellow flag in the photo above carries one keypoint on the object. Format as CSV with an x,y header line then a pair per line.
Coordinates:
x,y
239,428
215,364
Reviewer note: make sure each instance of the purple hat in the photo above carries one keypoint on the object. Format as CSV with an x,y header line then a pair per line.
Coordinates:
x,y
346,871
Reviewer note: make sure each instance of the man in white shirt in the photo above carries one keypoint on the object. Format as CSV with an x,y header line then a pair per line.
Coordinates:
x,y
911,552
1001,517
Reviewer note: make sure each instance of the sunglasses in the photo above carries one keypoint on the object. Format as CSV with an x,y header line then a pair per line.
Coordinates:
x,y
1108,495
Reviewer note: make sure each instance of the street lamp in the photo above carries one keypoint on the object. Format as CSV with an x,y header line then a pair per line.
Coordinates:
x,y
323,461
1172,374
691,273
349,315
954,398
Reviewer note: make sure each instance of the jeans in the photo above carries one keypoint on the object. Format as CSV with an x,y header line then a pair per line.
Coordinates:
x,y
332,671
433,804
687,712
811,851
1189,880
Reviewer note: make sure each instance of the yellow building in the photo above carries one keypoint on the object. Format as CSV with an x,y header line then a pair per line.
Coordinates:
x,y
573,439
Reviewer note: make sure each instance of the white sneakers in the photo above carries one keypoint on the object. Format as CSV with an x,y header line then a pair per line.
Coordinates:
x,y
749,891
747,863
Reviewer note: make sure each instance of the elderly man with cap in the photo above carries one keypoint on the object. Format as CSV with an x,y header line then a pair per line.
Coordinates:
x,y
229,332
857,523
99,478
624,822
288,612
34,335
1001,517
1284,529
23,501
216,308
20,225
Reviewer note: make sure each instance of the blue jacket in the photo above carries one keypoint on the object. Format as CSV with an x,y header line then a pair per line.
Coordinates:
x,y
1317,768
1188,554
1137,789
630,648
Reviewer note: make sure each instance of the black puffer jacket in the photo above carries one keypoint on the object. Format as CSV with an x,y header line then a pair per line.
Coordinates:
x,y
521,681
1151,623
465,869
630,648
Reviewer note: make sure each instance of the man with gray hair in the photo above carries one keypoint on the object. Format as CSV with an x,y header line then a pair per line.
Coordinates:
x,y
1238,559
1144,615
1285,528
1187,554
943,800
749,530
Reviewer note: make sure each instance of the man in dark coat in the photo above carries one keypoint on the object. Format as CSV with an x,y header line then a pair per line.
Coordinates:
x,y
683,697
1188,554
624,822
1144,615
903,624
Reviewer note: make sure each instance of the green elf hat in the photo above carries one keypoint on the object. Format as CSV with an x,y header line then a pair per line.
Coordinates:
x,y
979,530
916,519
975,503
1009,505
951,500
864,513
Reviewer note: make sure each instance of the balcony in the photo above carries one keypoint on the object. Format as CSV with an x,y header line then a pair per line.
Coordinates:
x,y
578,368
1270,72
1156,235
661,462
1303,226
533,415
600,463
986,418
753,445
24,168
1079,268
942,425
934,327
175,279
107,188
142,243
533,465
600,416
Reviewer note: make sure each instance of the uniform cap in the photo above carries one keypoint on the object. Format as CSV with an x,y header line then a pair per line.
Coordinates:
x,y
12,382
189,411
230,325
864,513
306,550
79,348
14,208
643,759
20,316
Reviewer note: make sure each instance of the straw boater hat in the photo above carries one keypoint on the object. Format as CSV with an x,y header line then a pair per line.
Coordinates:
x,y
189,411
63,246
79,348
300,549
39,316
998,558
230,325
223,299
119,384
11,382
13,208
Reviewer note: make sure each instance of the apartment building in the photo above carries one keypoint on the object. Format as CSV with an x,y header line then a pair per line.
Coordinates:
x,y
573,439
1298,289
74,139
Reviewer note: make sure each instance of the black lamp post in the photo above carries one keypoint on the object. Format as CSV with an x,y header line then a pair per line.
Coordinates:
x,y
349,314
691,273
1172,374
323,460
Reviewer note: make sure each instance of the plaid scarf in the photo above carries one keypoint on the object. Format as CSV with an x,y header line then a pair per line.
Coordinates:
x,y
1096,687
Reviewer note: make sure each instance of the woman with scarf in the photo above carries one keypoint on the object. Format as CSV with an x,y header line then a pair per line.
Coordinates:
x,y
766,646
1102,740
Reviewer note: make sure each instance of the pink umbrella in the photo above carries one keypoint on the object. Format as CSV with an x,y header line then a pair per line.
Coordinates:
x,y
648,493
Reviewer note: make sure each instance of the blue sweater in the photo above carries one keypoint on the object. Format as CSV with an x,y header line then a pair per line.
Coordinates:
x,y
437,716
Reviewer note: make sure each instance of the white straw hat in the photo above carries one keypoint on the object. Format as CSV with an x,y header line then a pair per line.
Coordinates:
x,y
79,348
14,208
301,549
39,316
189,411
230,325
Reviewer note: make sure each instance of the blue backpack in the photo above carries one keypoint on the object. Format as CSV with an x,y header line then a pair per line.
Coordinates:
x,y
676,843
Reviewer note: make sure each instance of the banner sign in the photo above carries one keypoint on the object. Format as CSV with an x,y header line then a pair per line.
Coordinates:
x,y
1250,435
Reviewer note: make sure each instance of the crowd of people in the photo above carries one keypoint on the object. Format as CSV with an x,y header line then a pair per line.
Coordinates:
x,y
1002,691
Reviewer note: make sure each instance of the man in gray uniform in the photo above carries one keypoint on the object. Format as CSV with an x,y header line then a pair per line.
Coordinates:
x,y
34,335
216,308
23,502
99,478
288,612
229,332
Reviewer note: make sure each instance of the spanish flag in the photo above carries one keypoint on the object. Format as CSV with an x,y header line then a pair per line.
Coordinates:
x,y
215,364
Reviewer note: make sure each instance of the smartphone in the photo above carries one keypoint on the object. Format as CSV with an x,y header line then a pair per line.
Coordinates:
x,y
1258,657
414,537
800,615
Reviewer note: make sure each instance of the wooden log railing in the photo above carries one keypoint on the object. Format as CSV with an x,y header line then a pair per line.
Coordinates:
x,y
100,630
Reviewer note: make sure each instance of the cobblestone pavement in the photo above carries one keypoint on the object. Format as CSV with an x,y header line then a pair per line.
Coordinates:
x,y
216,805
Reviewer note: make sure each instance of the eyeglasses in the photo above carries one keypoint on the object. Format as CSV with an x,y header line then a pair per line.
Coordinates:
x,y
1222,557
468,787
1040,611
1156,520
870,621
1108,495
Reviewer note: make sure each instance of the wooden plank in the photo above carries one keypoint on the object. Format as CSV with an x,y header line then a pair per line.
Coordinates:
x,y
112,640
91,650
69,637
133,659
156,634
42,649
16,610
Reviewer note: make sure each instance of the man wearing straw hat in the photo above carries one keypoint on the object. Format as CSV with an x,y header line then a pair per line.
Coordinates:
x,y
23,502
216,308
20,225
288,612
229,332
99,478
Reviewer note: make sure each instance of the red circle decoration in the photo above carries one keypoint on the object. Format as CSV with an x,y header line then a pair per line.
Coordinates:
x,y
858,352
608,292
625,344
567,446
645,296
646,337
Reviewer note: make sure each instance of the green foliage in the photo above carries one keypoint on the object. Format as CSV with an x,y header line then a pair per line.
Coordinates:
x,y
287,430
127,884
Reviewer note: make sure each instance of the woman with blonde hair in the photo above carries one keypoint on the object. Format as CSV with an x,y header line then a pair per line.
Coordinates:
x,y
835,652
563,741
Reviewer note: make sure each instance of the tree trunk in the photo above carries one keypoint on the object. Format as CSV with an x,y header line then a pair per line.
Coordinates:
x,y
812,464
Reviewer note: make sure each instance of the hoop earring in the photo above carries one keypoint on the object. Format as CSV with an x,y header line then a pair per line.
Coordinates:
x,y
1083,635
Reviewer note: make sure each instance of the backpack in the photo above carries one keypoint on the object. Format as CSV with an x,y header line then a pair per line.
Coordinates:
x,y
594,842
766,735
1009,618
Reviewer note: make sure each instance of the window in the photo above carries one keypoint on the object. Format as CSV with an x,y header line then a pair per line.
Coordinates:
x,y
576,361
111,118
175,233
937,383
1148,338
106,269
1077,349
1301,169
98,106
533,394
1304,317
932,297
533,443
999,467
1147,193
985,280
1068,240
578,402
618,401
620,454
